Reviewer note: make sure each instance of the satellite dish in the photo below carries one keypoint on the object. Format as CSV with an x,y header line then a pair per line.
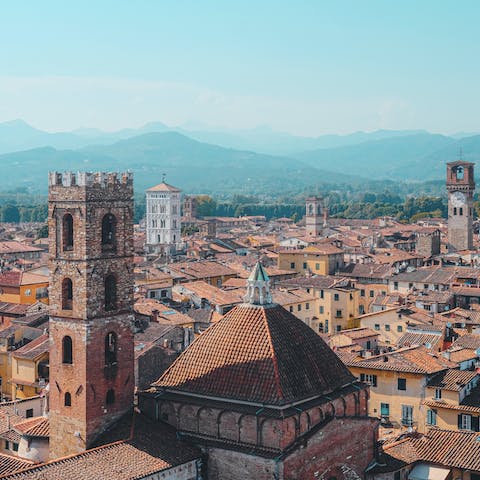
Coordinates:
x,y
449,325
428,345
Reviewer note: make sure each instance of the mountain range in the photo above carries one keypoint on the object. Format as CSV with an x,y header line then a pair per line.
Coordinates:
x,y
213,161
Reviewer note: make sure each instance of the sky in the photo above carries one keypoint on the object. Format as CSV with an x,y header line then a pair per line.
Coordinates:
x,y
303,67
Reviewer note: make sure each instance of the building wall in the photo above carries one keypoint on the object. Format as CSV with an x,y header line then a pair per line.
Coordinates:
x,y
35,449
387,392
388,323
342,449
305,262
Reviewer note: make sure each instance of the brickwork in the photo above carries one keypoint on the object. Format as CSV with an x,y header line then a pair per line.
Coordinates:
x,y
250,429
94,253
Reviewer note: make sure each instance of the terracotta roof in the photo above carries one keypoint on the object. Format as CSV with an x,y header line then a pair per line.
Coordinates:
x,y
33,349
471,341
408,360
34,427
15,279
10,464
452,379
17,247
153,448
163,187
457,449
260,354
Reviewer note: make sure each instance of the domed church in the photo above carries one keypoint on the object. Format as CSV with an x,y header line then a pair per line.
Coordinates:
x,y
264,397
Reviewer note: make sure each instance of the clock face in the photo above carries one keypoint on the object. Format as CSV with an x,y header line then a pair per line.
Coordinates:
x,y
457,199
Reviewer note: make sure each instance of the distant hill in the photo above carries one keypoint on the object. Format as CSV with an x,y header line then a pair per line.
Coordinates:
x,y
192,165
17,135
414,157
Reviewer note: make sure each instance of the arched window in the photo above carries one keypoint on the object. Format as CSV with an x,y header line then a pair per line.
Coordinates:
x,y
109,223
110,397
67,351
110,293
67,232
67,400
111,348
67,294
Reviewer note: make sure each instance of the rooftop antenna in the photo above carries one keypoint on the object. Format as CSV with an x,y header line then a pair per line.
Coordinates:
x,y
460,154
164,176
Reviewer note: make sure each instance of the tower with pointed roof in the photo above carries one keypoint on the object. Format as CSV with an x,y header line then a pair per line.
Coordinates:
x,y
163,219
265,397
258,287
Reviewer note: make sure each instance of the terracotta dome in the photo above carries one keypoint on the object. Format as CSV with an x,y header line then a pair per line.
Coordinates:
x,y
257,353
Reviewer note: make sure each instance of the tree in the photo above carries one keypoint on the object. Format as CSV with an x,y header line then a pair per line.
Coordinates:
x,y
10,214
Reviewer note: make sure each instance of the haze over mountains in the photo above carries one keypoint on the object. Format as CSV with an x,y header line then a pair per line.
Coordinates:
x,y
221,160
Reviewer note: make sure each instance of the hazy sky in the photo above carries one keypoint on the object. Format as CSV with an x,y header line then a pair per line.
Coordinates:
x,y
306,67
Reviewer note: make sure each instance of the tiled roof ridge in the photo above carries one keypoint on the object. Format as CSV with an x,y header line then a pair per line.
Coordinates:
x,y
273,356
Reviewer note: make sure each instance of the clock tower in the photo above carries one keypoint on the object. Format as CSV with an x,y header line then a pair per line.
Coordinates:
x,y
460,187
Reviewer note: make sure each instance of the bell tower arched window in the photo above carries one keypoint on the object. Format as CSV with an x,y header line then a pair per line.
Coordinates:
x,y
68,399
67,350
67,232
110,397
109,224
110,292
67,294
111,348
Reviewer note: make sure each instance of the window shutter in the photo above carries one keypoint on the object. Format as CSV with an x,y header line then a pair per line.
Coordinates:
x,y
374,383
460,422
362,377
475,425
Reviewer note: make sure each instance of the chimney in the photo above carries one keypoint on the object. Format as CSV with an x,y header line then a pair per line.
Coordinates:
x,y
155,315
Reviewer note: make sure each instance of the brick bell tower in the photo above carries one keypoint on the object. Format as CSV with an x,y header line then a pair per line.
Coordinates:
x,y
90,220
460,187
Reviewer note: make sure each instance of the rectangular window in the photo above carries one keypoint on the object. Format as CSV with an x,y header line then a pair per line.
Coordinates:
x,y
438,393
407,415
399,328
377,326
387,328
362,292
338,328
15,447
321,309
385,409
369,378
425,286
371,293
361,310
29,413
431,417
395,285
326,326
338,314
317,266
466,422
402,384
336,297
291,309
292,265
461,211
321,294
307,306
304,265
410,285
299,308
